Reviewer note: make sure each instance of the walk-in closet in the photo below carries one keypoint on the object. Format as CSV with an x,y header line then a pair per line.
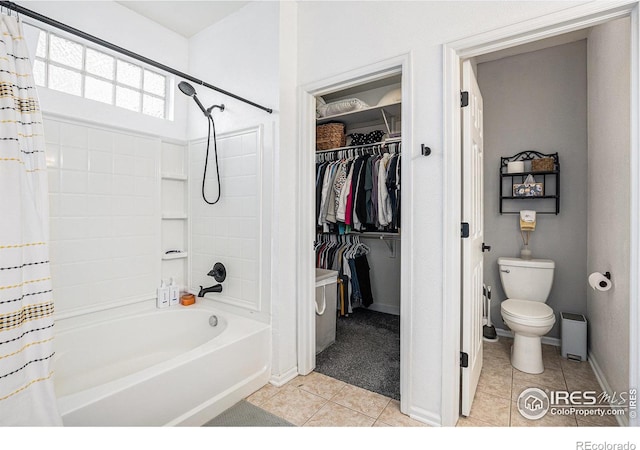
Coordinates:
x,y
357,234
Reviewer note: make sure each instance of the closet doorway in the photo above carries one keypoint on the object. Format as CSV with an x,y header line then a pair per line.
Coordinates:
x,y
356,226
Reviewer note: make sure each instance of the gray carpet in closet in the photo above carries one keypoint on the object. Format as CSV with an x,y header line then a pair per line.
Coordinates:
x,y
366,352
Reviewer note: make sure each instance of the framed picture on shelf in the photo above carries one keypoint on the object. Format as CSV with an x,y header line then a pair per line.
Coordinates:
x,y
528,189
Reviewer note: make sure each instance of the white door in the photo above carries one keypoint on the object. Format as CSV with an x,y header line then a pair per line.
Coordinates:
x,y
472,247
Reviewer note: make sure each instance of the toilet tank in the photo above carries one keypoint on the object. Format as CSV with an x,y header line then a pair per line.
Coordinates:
x,y
526,279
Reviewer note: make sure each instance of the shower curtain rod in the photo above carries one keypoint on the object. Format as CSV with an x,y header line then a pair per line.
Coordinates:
x,y
96,40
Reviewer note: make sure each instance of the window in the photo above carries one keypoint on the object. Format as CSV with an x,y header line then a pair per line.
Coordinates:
x,y
74,68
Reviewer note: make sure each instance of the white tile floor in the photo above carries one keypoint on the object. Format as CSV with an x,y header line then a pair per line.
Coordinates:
x,y
318,400
500,385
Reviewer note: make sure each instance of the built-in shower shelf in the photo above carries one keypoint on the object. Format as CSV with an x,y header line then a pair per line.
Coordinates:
x,y
174,216
174,176
174,256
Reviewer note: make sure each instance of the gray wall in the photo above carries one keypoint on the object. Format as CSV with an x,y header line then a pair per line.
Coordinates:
x,y
608,205
538,101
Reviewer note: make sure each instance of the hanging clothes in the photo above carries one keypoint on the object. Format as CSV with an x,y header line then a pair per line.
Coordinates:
x,y
348,256
27,396
360,190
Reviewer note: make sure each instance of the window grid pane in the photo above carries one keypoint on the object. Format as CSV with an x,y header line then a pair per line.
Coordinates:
x,y
100,64
65,80
128,98
65,52
39,72
129,74
41,49
154,83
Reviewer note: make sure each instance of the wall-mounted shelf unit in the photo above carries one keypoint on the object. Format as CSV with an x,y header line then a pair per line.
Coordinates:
x,y
548,202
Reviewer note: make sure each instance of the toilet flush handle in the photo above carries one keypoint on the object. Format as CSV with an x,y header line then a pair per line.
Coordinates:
x,y
505,270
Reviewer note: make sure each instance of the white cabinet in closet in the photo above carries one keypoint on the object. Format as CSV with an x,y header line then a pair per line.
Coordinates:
x,y
175,214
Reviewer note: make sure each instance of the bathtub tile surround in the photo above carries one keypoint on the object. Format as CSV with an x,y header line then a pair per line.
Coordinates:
x,y
104,233
228,231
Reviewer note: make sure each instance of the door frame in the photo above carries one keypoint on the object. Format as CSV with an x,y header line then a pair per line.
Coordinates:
x,y
572,19
305,267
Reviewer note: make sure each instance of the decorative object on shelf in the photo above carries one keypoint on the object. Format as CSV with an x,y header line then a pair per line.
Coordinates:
x,y
366,138
515,167
338,107
527,225
330,135
545,164
393,96
530,188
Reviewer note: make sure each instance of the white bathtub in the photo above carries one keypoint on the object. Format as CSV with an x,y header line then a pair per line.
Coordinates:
x,y
158,367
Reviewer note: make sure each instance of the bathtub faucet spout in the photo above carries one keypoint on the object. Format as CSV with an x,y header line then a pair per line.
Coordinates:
x,y
203,290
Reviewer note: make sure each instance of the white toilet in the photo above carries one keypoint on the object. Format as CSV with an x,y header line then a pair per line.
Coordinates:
x,y
527,284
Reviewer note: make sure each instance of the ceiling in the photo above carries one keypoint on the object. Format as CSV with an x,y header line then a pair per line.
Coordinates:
x,y
184,17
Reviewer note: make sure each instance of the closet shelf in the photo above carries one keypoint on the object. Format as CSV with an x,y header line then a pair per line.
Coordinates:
x,y
354,147
511,197
363,116
369,234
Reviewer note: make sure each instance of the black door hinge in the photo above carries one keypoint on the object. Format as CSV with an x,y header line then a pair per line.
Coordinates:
x,y
464,98
464,230
464,359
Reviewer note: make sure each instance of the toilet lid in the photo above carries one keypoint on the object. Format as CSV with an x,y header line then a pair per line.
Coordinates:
x,y
526,309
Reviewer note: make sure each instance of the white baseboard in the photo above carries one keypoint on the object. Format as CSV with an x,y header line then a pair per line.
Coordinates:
x,y
284,378
623,421
545,339
424,416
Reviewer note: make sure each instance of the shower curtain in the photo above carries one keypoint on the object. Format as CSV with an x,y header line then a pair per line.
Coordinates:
x,y
26,298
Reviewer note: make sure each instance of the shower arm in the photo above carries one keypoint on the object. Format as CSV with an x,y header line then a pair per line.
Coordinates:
x,y
96,40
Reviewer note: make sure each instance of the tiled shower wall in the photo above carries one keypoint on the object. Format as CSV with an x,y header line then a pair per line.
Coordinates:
x,y
228,231
104,209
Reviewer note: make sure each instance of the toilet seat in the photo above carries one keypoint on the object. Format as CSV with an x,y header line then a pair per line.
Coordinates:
x,y
527,312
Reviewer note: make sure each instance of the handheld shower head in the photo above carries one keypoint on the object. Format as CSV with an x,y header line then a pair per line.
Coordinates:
x,y
189,91
186,89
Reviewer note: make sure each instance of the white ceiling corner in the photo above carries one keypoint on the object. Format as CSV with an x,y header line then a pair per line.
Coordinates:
x,y
186,18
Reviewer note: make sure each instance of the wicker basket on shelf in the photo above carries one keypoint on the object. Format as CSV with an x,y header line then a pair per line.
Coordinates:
x,y
542,165
330,135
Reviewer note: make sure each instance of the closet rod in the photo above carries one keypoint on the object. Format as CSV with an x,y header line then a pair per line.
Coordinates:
x,y
96,40
358,147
